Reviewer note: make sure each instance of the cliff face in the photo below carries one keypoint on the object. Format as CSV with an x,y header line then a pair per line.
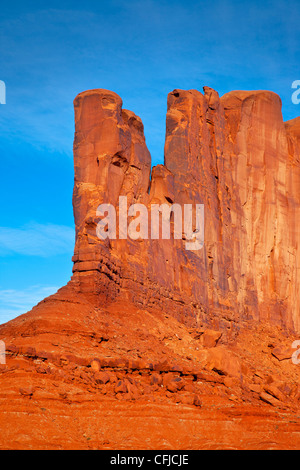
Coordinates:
x,y
233,154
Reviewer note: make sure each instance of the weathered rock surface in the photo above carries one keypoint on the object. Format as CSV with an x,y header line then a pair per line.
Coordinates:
x,y
236,156
151,345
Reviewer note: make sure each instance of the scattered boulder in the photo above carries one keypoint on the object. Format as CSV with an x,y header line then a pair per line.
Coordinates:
x,y
282,353
156,379
102,378
95,365
269,399
223,361
133,391
175,384
197,401
256,388
26,392
186,398
189,387
210,338
273,390
121,387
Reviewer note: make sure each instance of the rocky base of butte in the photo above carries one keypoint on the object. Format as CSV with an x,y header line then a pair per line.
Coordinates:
x,y
150,345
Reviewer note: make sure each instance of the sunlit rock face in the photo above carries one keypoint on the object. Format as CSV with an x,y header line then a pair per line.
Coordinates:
x,y
234,155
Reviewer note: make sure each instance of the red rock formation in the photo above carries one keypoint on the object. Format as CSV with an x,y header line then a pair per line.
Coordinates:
x,y
235,156
151,345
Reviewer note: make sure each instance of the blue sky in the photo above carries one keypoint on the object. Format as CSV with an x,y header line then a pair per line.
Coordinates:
x,y
50,51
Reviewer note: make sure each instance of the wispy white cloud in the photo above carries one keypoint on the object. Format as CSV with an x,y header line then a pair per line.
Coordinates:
x,y
36,240
15,302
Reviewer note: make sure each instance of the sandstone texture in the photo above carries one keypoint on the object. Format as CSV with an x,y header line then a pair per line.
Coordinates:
x,y
151,345
233,154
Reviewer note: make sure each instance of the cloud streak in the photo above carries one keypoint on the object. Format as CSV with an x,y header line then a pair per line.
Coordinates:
x,y
15,302
35,239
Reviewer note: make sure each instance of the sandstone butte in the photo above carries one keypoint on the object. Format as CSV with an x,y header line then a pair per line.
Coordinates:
x,y
150,345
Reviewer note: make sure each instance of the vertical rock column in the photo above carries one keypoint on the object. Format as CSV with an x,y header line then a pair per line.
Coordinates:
x,y
195,135
258,175
110,159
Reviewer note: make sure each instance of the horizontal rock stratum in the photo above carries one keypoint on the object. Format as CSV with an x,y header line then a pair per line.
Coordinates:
x,y
151,345
233,154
